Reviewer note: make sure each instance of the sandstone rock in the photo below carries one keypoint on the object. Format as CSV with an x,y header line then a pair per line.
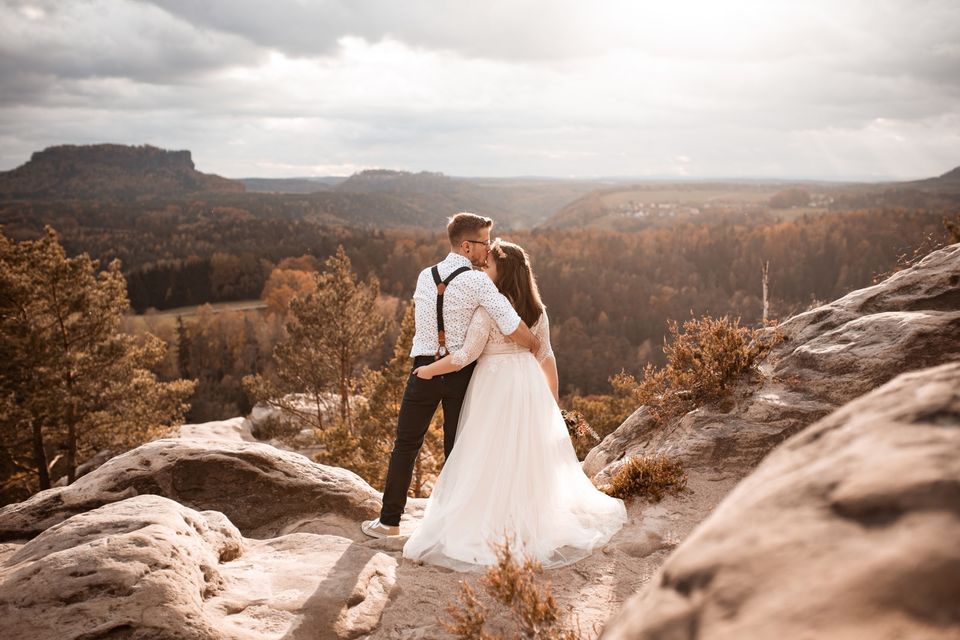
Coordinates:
x,y
618,444
848,530
711,439
262,490
304,586
234,430
843,349
147,567
831,355
138,568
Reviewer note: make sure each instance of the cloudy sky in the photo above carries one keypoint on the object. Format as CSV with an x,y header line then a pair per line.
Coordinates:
x,y
842,89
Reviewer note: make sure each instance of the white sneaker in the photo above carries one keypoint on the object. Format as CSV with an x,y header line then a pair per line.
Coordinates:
x,y
376,529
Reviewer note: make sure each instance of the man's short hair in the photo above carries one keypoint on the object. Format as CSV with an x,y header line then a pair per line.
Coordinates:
x,y
464,225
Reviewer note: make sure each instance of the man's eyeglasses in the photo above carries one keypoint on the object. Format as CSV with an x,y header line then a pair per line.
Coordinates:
x,y
486,243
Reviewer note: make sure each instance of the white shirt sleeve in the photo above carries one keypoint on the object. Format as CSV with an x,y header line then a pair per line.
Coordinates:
x,y
477,334
497,305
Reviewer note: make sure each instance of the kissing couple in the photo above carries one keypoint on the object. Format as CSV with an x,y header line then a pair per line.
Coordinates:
x,y
482,350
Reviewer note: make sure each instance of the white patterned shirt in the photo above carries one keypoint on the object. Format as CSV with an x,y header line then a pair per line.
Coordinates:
x,y
467,292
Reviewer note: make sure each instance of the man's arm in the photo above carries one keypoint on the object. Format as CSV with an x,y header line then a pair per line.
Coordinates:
x,y
525,338
506,316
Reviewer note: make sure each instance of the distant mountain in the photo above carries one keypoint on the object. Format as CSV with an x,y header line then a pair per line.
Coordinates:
x,y
952,176
949,182
109,171
290,185
384,180
514,203
377,198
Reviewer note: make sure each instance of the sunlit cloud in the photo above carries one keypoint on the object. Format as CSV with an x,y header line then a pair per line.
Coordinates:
x,y
688,88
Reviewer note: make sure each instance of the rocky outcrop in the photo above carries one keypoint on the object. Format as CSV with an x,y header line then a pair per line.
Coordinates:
x,y
848,347
848,530
262,490
147,567
829,356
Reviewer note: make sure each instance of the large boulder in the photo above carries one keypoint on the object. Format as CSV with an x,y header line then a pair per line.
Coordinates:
x,y
848,530
829,356
848,347
147,567
262,490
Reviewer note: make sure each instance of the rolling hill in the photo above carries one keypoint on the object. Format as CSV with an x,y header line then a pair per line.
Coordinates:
x,y
91,175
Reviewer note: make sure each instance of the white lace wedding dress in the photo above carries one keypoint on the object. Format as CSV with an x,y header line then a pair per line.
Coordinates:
x,y
513,470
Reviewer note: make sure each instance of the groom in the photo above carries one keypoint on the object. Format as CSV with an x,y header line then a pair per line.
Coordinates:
x,y
456,289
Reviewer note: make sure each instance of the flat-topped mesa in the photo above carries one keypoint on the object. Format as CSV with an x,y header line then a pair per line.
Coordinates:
x,y
109,171
117,155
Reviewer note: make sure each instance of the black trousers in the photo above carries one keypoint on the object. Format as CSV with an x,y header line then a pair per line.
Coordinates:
x,y
420,401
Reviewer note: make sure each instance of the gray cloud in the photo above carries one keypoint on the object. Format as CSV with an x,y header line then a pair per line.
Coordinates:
x,y
104,38
500,29
521,87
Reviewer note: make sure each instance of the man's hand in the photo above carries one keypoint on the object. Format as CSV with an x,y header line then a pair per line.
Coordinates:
x,y
423,373
525,338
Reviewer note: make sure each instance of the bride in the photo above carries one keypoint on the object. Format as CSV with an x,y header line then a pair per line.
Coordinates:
x,y
513,476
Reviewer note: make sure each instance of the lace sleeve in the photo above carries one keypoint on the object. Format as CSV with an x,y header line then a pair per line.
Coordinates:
x,y
541,329
476,339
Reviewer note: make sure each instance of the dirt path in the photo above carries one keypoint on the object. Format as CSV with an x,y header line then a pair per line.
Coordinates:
x,y
590,590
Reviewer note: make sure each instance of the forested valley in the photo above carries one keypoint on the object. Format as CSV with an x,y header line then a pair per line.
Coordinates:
x,y
210,282
609,293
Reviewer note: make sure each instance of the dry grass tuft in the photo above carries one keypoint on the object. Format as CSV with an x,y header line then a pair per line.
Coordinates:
x,y
530,609
952,227
704,362
649,478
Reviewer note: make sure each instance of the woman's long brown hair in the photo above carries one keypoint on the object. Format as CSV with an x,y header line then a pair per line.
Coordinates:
x,y
515,280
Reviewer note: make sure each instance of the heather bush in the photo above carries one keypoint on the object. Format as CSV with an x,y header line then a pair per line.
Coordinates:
x,y
650,478
953,228
704,362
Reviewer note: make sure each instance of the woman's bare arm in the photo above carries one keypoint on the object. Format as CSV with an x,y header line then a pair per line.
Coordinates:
x,y
549,367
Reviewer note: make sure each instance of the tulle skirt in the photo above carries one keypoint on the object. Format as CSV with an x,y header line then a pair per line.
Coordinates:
x,y
513,477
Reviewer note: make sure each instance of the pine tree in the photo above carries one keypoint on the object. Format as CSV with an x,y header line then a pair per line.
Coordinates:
x,y
366,450
68,377
329,331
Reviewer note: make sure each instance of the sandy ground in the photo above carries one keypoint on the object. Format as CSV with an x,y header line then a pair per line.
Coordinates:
x,y
590,591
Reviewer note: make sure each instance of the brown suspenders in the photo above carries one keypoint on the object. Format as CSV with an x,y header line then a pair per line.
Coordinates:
x,y
441,287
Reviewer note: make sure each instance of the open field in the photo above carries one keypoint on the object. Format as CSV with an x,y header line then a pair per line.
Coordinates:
x,y
696,194
163,323
237,305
